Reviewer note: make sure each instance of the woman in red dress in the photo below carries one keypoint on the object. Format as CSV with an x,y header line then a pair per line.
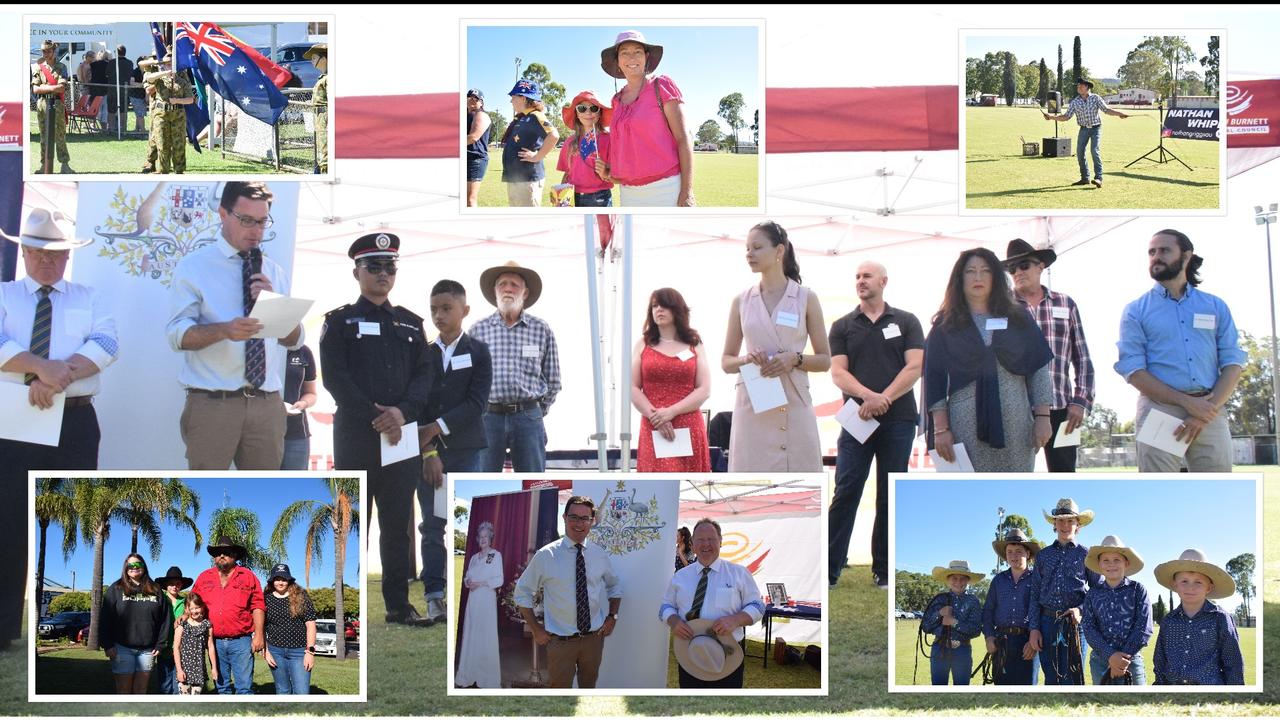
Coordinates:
x,y
670,380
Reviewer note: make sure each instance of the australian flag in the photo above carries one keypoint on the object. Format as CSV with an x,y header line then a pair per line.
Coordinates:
x,y
220,61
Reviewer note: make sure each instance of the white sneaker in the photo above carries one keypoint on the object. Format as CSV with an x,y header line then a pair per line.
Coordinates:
x,y
435,609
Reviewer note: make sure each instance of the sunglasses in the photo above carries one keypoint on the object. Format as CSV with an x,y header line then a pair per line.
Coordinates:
x,y
1023,266
587,108
134,566
374,268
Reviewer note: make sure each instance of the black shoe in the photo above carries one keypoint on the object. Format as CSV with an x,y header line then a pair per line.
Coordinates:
x,y
1098,182
408,616
1081,181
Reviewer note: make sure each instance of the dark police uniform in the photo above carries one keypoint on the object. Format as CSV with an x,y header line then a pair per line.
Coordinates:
x,y
378,354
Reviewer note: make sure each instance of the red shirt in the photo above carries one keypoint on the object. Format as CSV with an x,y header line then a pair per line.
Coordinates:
x,y
231,607
578,172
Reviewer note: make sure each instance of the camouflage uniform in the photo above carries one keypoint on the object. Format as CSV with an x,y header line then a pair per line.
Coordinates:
x,y
169,123
320,103
55,101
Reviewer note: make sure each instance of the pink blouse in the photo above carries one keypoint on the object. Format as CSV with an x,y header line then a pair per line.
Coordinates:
x,y
581,174
644,150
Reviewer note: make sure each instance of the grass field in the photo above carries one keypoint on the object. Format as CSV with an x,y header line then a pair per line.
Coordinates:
x,y
999,177
719,180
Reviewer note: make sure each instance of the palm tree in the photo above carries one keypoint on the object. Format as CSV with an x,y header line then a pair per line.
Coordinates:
x,y
241,525
53,504
340,518
164,499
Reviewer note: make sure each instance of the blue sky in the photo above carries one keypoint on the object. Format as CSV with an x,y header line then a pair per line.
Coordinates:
x,y
266,496
1102,55
464,490
706,63
1157,518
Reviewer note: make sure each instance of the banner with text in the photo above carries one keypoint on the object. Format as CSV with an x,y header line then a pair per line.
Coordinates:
x,y
1191,124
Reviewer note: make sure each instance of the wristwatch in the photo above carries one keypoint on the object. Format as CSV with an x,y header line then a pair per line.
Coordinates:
x,y
311,649
614,616
799,359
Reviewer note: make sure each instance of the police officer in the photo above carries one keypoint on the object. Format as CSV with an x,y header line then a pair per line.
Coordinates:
x,y
49,83
168,118
319,56
375,363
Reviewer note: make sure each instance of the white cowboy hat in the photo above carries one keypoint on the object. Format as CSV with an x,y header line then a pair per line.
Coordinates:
x,y
1067,507
956,567
1192,560
1111,543
707,656
47,230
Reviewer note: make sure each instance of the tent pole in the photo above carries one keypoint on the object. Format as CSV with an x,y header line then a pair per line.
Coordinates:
x,y
607,272
625,375
593,303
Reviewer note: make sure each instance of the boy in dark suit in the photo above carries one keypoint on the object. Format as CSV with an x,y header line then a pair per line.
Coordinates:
x,y
452,432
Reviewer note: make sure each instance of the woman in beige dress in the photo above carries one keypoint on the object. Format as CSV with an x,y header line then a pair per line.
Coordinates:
x,y
777,319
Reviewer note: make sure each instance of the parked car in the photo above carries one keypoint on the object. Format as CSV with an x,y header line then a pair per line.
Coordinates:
x,y
326,638
706,147
290,58
64,624
352,629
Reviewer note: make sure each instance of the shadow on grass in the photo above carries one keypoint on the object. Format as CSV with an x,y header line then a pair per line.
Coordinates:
x,y
1167,180
1030,191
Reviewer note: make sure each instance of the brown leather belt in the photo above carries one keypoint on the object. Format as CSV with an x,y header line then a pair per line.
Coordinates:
x,y
79,401
1010,630
1199,393
244,392
512,408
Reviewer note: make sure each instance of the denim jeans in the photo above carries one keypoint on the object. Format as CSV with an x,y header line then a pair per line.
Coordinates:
x,y
130,660
297,454
955,664
599,198
235,665
290,676
890,446
1055,653
1015,670
1086,134
523,434
434,553
168,673
1099,665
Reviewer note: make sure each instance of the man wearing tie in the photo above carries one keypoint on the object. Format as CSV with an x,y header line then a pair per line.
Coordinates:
x,y
234,410
55,337
576,580
712,589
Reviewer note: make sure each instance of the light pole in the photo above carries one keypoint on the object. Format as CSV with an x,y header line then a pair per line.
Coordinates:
x,y
518,61
1267,219
999,525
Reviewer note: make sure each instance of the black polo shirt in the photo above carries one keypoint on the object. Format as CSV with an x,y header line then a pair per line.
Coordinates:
x,y
876,360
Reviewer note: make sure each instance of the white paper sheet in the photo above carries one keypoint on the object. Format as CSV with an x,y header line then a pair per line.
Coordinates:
x,y
407,448
1065,439
25,422
962,463
441,508
1157,431
848,418
764,393
278,314
681,446
289,409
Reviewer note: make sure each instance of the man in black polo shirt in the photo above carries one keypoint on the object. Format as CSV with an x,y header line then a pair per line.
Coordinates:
x,y
876,355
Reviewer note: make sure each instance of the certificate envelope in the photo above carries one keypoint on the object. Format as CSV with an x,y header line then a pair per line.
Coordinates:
x,y
1066,439
407,448
764,393
962,463
1157,431
848,418
25,422
278,314
681,446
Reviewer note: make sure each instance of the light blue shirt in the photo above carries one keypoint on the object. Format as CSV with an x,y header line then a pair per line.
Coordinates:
x,y
554,571
82,325
208,288
1185,343
730,589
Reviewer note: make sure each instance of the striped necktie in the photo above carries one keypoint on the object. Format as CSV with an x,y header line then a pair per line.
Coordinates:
x,y
699,595
581,600
255,351
41,329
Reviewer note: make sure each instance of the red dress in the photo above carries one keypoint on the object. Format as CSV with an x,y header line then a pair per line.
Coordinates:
x,y
667,380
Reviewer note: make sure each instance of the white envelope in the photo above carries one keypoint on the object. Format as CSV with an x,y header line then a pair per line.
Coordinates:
x,y
962,463
1065,439
407,448
278,314
764,393
25,422
441,504
681,446
289,409
1157,431
848,418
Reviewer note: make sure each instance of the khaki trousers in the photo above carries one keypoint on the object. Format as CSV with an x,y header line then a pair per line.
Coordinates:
x,y
1211,451
246,430
580,655
525,194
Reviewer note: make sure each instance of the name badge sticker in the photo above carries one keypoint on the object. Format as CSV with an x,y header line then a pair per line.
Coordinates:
x,y
892,331
788,319
460,362
1061,313
684,355
530,351
1204,321
997,323
369,328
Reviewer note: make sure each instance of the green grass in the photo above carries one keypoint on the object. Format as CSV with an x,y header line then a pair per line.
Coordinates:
x,y
999,177
719,180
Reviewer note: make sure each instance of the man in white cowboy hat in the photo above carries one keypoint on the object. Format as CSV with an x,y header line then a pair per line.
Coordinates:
x,y
237,611
1006,613
1178,346
955,618
1117,615
526,369
1197,643
713,599
1062,581
1059,319
233,412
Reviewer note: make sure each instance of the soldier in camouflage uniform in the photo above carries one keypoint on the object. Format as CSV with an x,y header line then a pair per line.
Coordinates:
x,y
49,82
168,118
319,56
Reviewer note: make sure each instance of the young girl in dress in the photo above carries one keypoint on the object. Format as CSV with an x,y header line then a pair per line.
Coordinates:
x,y
192,640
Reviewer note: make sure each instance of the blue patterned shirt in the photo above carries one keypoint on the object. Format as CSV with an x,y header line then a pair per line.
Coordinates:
x,y
1061,578
1203,649
1184,342
966,611
1008,602
1117,619
1088,110
526,363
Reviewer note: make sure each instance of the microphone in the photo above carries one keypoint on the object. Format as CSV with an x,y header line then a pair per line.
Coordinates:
x,y
255,261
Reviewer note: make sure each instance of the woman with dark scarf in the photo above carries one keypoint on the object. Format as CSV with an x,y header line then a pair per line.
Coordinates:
x,y
986,371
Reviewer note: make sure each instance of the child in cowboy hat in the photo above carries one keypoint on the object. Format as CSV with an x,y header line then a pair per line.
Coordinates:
x,y
1197,643
1006,614
955,617
1117,615
173,582
1061,583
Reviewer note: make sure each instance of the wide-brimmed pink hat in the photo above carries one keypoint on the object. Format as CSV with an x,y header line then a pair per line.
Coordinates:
x,y
609,55
569,112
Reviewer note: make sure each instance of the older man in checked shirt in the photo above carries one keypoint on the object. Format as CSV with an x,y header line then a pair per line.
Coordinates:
x,y
1062,581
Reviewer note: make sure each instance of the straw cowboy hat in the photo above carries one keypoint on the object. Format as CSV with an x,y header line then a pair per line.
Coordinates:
x,y
609,55
956,567
1015,536
1067,508
46,230
225,543
1019,250
707,656
1192,560
569,112
532,281
174,573
1111,543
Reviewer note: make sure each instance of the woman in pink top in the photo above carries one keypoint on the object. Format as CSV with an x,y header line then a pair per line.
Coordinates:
x,y
585,154
652,156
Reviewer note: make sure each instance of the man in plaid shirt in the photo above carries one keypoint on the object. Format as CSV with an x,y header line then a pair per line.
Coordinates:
x,y
1059,320
526,370
1087,109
